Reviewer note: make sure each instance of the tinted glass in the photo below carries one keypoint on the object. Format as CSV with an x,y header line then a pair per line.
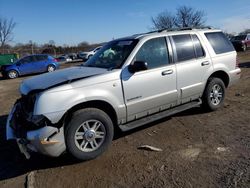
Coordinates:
x,y
154,52
239,37
40,57
198,47
27,59
184,47
219,42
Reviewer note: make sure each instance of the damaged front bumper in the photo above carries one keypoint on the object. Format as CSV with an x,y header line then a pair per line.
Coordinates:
x,y
44,139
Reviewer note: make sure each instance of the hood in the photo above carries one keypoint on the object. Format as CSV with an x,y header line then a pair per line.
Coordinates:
x,y
53,79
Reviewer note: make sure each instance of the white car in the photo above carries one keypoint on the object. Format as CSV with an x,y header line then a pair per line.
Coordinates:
x,y
87,55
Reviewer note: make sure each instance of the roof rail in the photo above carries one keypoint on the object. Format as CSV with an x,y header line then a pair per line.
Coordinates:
x,y
173,29
155,31
184,29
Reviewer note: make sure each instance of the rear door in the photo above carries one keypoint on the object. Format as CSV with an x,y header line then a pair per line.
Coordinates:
x,y
192,64
40,63
150,91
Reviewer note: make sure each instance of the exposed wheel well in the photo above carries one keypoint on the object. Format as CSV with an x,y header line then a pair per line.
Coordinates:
x,y
13,70
52,65
102,105
222,75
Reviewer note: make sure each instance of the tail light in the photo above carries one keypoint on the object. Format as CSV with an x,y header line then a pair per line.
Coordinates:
x,y
237,62
55,60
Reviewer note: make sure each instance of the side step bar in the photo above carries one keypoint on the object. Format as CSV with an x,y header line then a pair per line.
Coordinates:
x,y
160,115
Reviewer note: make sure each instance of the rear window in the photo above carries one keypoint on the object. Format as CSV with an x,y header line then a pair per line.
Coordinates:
x,y
219,42
41,57
239,37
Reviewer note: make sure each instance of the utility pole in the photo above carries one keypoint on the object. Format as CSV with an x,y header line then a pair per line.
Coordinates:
x,y
32,49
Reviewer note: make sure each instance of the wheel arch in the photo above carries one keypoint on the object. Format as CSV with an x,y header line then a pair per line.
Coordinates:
x,y
99,104
51,64
222,75
13,69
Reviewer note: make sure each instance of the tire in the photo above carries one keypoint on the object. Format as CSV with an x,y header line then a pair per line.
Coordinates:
x,y
214,94
89,133
51,68
12,74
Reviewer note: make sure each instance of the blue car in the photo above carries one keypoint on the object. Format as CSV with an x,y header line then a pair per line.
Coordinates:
x,y
30,65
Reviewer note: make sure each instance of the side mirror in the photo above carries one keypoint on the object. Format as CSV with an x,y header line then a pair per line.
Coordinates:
x,y
138,66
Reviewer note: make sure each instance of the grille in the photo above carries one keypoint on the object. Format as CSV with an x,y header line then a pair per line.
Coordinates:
x,y
27,103
20,120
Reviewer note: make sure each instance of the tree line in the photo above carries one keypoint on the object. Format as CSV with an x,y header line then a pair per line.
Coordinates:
x,y
183,16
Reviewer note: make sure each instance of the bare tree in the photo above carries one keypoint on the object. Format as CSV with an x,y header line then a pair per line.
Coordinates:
x,y
6,29
52,43
164,20
184,17
189,17
83,44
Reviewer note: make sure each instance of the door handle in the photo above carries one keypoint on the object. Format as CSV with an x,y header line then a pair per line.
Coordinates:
x,y
205,63
167,72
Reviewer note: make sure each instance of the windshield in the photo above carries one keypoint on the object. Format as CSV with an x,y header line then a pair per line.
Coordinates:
x,y
112,55
239,37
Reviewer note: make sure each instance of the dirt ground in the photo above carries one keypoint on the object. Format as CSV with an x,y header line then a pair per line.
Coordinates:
x,y
199,150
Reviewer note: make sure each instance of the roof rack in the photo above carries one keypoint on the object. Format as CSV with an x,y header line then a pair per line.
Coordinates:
x,y
173,29
184,29
155,31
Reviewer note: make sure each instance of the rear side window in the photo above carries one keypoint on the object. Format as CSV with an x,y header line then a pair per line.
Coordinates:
x,y
184,47
199,51
154,52
219,42
41,57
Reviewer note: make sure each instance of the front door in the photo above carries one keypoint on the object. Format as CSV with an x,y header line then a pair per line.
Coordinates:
x,y
150,91
25,65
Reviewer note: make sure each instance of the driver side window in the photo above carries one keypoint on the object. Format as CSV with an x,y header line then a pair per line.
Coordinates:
x,y
25,60
154,52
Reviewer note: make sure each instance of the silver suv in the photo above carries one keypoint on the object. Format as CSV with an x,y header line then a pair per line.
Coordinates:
x,y
148,77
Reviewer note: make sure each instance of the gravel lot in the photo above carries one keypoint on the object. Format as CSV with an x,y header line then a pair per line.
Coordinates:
x,y
199,149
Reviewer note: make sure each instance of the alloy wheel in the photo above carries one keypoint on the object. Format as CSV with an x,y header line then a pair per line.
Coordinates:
x,y
90,135
216,94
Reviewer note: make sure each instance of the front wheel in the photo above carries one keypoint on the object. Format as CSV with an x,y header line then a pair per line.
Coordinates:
x,y
89,133
214,94
12,74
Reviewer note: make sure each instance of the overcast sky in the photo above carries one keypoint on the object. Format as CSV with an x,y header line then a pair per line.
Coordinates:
x,y
73,21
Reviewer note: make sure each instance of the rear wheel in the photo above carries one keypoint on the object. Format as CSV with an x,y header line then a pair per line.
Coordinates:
x,y
214,94
51,68
89,133
12,74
